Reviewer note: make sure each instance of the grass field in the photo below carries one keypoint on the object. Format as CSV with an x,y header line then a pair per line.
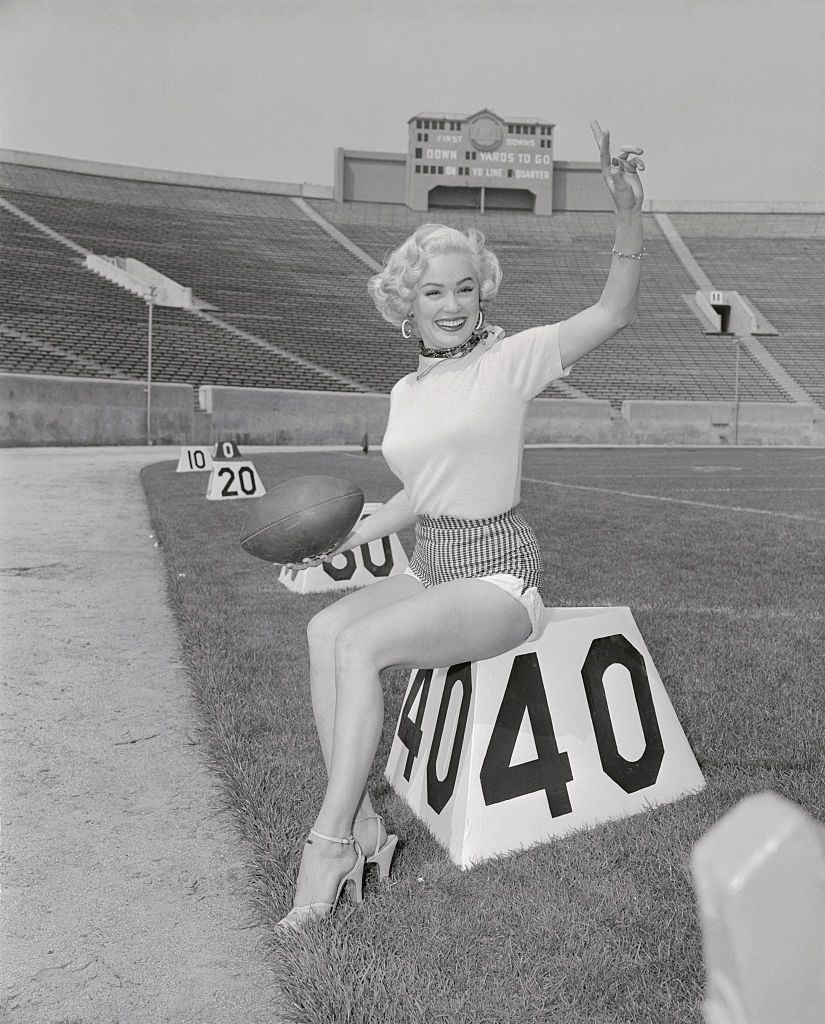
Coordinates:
x,y
718,553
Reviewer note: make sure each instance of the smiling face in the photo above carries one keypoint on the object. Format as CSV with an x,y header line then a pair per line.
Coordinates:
x,y
447,300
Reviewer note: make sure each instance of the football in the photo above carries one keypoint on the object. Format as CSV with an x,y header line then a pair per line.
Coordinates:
x,y
301,518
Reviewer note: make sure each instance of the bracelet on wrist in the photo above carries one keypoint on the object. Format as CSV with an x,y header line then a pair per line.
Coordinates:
x,y
629,255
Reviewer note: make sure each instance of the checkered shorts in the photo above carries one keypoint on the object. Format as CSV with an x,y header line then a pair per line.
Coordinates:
x,y
448,548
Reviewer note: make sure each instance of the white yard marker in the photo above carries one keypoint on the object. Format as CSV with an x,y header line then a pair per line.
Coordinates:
x,y
230,480
194,459
562,733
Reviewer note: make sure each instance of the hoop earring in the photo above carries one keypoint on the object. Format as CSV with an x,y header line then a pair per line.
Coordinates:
x,y
480,322
407,328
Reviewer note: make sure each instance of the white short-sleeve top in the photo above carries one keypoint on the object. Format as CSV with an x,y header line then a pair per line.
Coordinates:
x,y
455,433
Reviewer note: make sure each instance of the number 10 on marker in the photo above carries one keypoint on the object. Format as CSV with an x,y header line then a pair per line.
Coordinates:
x,y
194,459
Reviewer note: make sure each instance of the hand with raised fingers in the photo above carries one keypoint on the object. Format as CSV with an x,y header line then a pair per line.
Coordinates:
x,y
621,173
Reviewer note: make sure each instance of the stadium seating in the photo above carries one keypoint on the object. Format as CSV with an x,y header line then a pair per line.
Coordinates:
x,y
291,308
554,267
778,261
59,318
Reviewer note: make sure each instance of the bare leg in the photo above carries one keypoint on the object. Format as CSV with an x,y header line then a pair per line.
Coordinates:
x,y
464,620
322,634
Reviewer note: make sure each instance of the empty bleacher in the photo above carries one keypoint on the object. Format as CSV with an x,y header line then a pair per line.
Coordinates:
x,y
555,266
50,301
778,261
292,308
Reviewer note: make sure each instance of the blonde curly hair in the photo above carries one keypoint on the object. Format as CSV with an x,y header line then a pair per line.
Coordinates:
x,y
393,288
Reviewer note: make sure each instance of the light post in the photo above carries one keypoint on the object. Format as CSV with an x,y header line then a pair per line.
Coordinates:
x,y
149,369
736,393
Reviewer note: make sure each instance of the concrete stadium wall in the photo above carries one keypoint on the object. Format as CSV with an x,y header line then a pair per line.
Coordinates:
x,y
152,174
264,416
579,186
51,410
370,177
716,423
284,416
569,420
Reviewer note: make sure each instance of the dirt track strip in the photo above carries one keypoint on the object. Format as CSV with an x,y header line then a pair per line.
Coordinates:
x,y
123,893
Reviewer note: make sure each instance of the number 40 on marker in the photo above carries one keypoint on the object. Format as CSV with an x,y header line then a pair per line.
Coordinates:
x,y
559,734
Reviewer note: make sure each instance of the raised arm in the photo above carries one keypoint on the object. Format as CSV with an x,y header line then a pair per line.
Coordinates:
x,y
617,306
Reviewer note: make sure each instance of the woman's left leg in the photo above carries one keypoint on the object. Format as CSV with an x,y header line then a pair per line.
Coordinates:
x,y
463,620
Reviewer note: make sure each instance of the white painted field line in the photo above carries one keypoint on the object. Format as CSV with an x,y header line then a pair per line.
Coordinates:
x,y
789,614
734,490
675,501
687,446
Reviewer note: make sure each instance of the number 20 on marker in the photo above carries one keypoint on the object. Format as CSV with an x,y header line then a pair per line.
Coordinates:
x,y
234,480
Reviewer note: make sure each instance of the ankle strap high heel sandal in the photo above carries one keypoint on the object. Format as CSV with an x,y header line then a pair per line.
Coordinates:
x,y
352,879
383,854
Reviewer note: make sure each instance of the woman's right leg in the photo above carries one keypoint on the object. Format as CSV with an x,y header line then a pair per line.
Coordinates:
x,y
463,620
322,631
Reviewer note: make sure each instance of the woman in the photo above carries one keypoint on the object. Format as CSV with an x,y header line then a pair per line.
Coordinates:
x,y
455,439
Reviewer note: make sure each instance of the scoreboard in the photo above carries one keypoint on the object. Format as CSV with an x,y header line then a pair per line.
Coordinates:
x,y
481,161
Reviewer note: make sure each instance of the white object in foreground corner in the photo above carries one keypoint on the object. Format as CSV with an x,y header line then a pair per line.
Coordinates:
x,y
561,733
357,568
759,876
230,480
